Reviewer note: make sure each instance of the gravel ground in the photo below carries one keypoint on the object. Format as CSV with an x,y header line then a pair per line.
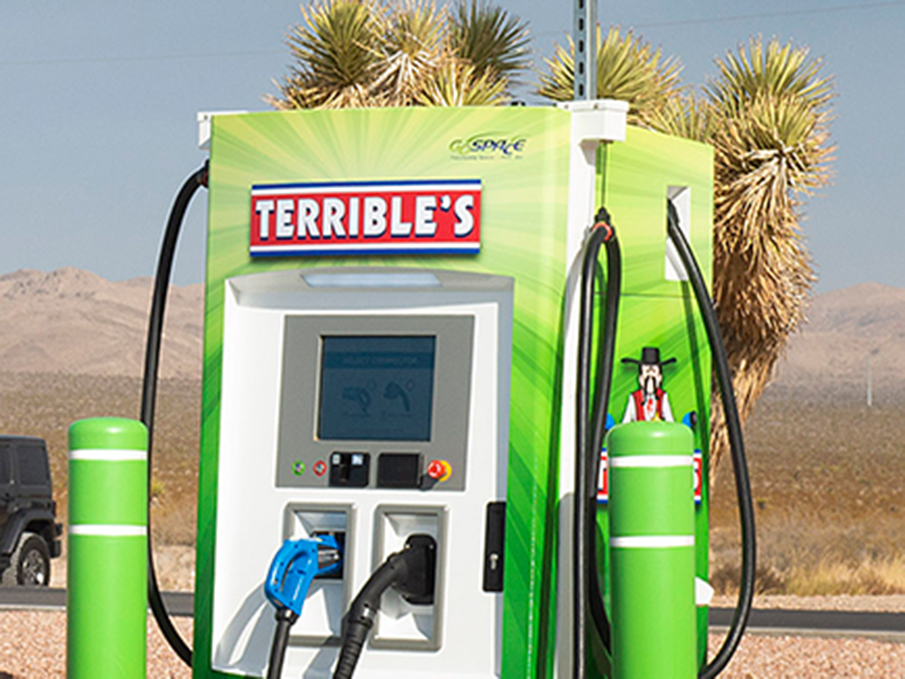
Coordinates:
x,y
812,658
32,647
32,644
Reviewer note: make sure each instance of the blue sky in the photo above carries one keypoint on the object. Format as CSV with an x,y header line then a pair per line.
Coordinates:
x,y
98,123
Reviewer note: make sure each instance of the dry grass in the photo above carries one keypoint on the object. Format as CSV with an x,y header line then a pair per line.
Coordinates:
x,y
826,477
46,405
826,474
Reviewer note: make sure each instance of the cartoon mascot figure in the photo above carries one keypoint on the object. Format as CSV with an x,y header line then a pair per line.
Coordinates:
x,y
650,402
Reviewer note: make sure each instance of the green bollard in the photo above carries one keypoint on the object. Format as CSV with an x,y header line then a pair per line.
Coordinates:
x,y
107,578
652,555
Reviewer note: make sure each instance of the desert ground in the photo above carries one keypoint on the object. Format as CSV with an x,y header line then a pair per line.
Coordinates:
x,y
825,468
825,472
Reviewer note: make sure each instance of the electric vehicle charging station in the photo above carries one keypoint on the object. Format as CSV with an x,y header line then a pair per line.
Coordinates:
x,y
390,333
399,329
509,171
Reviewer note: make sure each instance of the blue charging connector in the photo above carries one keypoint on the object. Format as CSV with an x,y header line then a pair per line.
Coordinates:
x,y
291,573
296,565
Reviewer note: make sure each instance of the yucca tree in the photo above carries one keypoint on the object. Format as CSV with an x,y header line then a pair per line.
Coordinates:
x,y
411,46
628,68
685,115
457,83
769,113
335,51
361,53
487,37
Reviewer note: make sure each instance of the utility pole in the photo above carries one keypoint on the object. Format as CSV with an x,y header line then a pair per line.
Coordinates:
x,y
870,393
584,34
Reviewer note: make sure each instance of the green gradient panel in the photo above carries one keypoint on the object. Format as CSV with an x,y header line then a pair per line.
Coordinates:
x,y
523,225
636,177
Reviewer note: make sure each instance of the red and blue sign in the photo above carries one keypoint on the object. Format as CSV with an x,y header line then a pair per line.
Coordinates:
x,y
603,481
362,218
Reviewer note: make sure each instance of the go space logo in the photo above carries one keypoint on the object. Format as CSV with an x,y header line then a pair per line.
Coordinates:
x,y
488,146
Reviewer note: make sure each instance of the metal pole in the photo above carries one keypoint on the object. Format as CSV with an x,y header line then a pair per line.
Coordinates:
x,y
652,553
870,393
107,578
584,33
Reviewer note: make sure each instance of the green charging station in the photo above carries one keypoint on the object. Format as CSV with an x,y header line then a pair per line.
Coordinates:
x,y
390,351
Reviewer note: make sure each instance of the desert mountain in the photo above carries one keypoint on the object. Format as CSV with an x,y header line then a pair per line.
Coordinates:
x,y
844,328
73,321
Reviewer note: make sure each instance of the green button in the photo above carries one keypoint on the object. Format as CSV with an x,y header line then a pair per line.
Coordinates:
x,y
298,468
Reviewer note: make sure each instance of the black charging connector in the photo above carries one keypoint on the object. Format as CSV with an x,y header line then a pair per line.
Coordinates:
x,y
411,571
417,587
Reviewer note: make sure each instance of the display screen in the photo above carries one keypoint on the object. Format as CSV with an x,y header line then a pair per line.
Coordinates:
x,y
376,388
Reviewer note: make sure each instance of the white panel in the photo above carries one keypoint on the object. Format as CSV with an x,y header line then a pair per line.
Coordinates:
x,y
251,511
681,198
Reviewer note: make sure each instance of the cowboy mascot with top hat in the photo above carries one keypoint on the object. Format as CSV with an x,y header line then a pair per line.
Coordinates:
x,y
650,402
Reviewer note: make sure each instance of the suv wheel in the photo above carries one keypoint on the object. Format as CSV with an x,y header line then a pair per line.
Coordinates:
x,y
30,563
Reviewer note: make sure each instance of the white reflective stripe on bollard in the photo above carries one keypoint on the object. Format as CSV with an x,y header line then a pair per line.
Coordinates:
x,y
108,455
652,541
108,530
651,461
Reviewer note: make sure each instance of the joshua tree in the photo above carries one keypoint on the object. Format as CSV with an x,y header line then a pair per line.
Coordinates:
x,y
769,117
360,53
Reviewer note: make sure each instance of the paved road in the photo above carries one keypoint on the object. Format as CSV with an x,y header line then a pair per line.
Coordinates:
x,y
830,623
773,621
39,598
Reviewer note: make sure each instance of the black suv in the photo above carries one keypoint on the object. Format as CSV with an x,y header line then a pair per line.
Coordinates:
x,y
29,533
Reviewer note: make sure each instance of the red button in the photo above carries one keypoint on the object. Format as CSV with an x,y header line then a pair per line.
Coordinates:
x,y
320,468
439,470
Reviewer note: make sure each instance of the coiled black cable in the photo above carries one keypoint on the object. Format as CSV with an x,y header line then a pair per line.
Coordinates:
x,y
589,434
149,383
588,443
736,444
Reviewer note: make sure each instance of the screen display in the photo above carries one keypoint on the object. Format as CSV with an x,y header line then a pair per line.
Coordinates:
x,y
376,388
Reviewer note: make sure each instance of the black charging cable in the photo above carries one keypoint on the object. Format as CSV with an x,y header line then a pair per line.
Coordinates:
x,y
411,571
736,445
289,579
586,572
149,384
589,431
285,620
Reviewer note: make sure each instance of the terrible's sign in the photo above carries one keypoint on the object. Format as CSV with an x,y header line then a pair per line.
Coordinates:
x,y
355,218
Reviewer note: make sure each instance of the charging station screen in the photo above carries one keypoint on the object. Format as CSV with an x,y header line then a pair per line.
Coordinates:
x,y
376,388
